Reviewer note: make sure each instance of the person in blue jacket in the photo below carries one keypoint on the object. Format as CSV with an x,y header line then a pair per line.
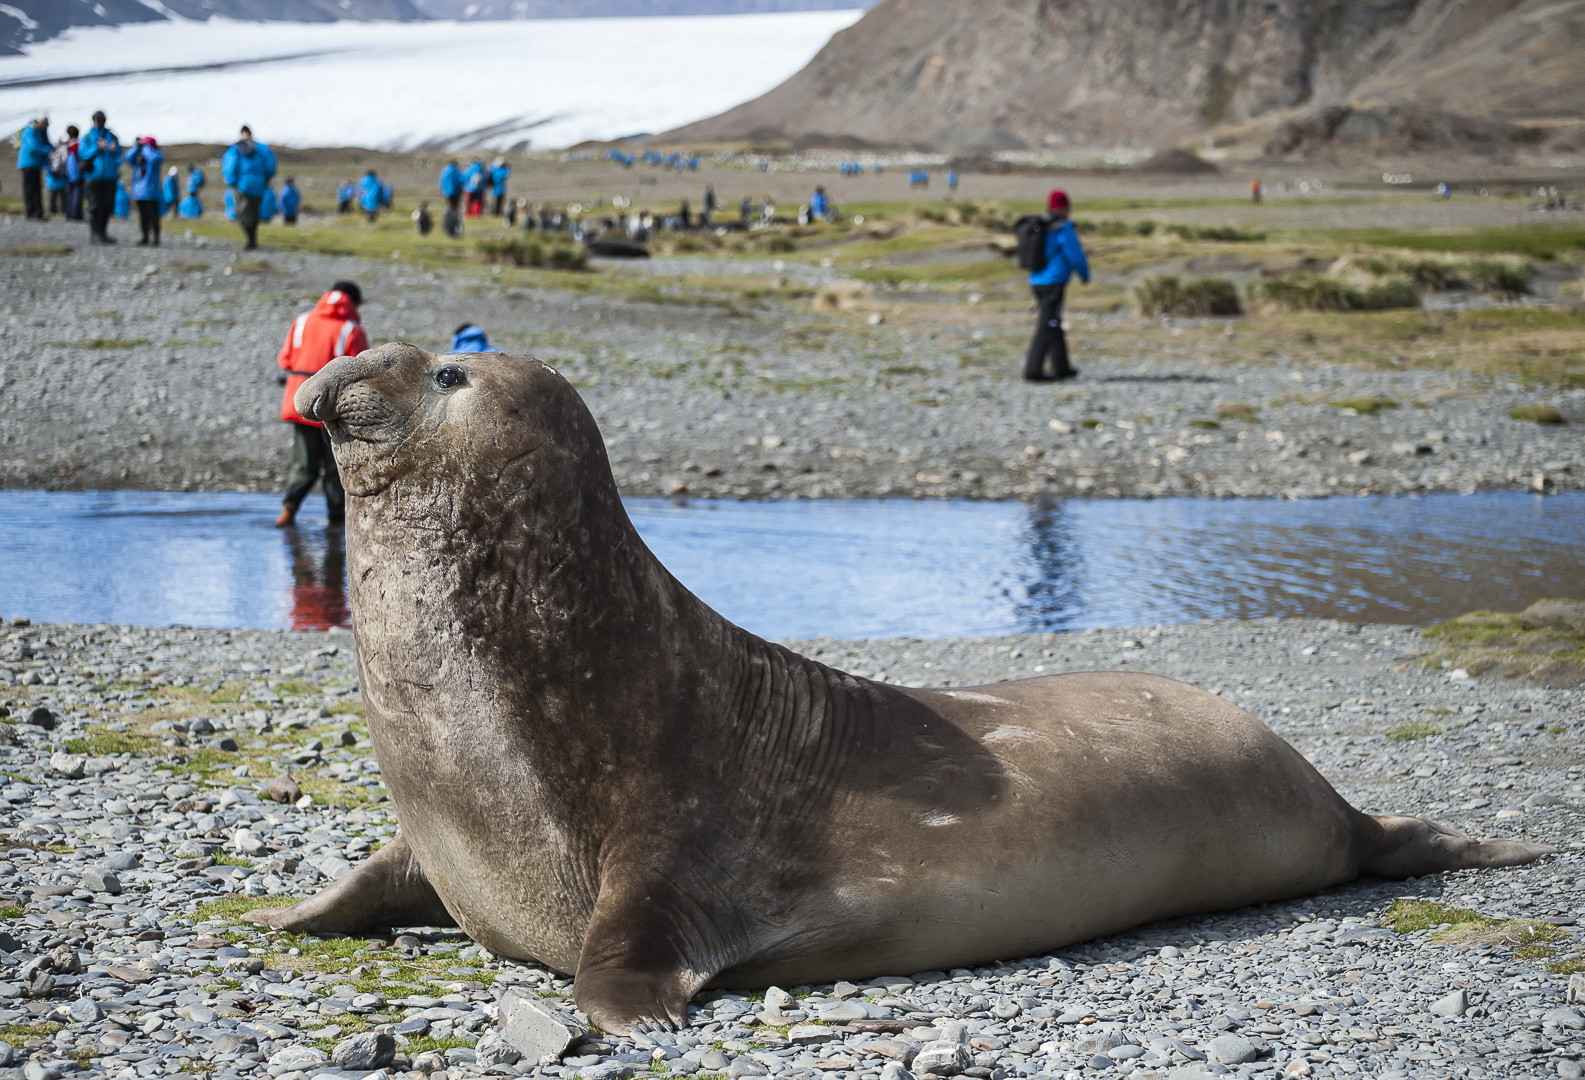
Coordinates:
x,y
195,180
371,195
469,338
344,196
170,191
1064,258
33,159
99,157
473,181
451,185
500,171
291,199
191,207
146,159
267,204
57,176
248,167
820,205
123,208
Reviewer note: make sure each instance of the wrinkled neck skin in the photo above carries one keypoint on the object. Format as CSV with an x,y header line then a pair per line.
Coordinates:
x,y
535,630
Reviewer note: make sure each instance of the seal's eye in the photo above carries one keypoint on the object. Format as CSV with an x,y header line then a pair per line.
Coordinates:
x,y
449,376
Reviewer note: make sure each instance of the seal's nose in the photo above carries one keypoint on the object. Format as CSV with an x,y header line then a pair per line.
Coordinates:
x,y
316,399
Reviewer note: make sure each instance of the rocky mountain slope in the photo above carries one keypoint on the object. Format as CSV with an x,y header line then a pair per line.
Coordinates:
x,y
1003,74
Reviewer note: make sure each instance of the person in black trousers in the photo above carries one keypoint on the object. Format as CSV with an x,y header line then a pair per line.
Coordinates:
x,y
1064,257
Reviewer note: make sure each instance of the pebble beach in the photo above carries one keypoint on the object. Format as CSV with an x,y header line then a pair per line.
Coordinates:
x,y
154,368
143,767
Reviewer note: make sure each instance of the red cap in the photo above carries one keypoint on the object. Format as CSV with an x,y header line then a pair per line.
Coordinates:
x,y
1057,200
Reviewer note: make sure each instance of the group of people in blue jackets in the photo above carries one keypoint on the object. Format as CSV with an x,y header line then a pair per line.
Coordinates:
x,y
82,174
476,182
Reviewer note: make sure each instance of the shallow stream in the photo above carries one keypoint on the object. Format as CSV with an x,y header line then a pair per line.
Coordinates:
x,y
850,568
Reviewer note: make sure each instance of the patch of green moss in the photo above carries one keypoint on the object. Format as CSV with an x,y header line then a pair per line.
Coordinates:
x,y
233,907
1545,642
1365,406
233,860
438,1044
1239,411
1536,414
1210,424
43,1029
101,743
1573,965
1407,916
1411,731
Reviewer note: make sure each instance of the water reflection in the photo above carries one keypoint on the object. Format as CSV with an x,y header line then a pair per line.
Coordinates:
x,y
865,568
319,577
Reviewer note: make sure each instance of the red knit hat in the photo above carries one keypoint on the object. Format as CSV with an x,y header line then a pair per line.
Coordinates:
x,y
1057,200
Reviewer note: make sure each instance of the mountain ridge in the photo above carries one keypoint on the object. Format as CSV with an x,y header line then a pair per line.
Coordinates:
x,y
1291,75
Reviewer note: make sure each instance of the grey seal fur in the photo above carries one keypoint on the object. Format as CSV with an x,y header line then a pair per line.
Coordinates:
x,y
594,770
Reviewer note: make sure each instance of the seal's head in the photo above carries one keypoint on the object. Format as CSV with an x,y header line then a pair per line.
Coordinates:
x,y
449,425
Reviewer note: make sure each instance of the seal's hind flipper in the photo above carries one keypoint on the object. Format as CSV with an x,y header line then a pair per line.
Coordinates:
x,y
389,889
1405,847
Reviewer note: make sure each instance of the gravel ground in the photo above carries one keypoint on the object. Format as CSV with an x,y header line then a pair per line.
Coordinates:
x,y
154,368
132,853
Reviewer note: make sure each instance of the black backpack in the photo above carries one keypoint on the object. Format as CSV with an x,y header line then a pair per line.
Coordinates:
x,y
1031,232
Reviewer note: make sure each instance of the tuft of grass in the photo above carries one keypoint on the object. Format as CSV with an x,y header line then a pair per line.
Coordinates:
x,y
1239,411
233,907
1210,424
42,1029
1167,294
1573,965
101,743
1114,228
1319,292
439,1044
1089,422
113,343
234,860
34,251
1227,234
1365,406
519,251
1536,414
1407,916
1529,938
12,911
1411,731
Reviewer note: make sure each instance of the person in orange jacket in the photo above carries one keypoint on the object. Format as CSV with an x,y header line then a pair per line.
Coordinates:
x,y
316,338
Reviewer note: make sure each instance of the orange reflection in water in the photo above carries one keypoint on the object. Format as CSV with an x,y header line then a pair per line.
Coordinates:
x,y
319,582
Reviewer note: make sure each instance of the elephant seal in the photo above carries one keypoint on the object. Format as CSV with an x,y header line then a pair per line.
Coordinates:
x,y
594,770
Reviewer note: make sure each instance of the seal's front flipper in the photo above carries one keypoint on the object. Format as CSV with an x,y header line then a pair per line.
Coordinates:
x,y
642,960
389,889
1404,847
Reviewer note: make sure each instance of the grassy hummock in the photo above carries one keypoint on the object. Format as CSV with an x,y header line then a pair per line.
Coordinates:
x,y
1545,642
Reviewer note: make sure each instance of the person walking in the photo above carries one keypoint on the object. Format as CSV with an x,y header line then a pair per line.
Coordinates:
x,y
451,185
170,192
1256,190
1048,247
371,195
291,199
500,172
146,158
33,157
707,207
248,167
99,151
316,338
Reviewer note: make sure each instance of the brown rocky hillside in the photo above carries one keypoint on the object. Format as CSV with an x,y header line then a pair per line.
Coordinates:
x,y
1290,74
